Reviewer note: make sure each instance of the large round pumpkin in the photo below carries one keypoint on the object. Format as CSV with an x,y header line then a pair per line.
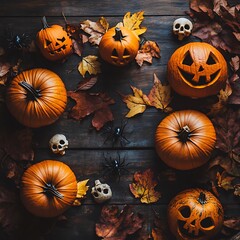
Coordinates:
x,y
53,41
48,188
197,70
36,97
185,139
195,214
119,46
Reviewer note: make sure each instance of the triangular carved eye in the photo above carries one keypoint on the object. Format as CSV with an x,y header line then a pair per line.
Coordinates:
x,y
188,59
185,211
114,53
61,39
48,42
126,52
211,60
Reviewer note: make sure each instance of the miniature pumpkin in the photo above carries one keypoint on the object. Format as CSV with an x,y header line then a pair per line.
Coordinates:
x,y
48,188
197,70
53,41
185,139
36,97
119,46
195,214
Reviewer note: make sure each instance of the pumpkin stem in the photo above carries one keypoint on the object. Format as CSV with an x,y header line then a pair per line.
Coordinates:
x,y
184,133
32,93
202,198
44,22
118,35
50,189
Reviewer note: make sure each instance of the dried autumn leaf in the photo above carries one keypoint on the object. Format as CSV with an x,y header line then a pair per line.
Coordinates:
x,y
137,103
4,69
221,105
133,22
82,189
86,83
89,64
160,95
233,223
95,29
91,103
147,51
118,225
143,187
237,190
224,181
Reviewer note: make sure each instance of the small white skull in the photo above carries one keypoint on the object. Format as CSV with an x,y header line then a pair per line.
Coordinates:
x,y
101,192
58,143
182,27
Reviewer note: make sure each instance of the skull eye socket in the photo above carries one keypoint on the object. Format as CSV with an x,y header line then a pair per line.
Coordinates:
x,y
54,146
186,26
105,191
185,211
99,189
62,142
177,25
207,222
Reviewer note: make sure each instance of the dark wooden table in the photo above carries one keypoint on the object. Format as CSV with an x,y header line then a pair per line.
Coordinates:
x,y
86,150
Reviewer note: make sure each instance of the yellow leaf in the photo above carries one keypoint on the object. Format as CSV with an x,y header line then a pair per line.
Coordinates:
x,y
89,64
160,95
133,22
82,189
143,187
136,103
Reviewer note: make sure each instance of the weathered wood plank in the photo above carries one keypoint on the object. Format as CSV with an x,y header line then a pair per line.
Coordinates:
x,y
88,164
91,8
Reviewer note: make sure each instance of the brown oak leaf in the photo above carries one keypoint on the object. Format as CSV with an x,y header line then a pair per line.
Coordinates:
x,y
147,51
118,225
143,187
91,103
95,29
224,180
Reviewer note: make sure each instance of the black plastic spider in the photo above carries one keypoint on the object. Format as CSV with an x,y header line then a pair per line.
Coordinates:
x,y
114,167
116,134
16,41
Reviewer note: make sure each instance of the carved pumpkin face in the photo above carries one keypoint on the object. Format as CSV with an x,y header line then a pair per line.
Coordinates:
x,y
54,42
195,214
197,70
119,46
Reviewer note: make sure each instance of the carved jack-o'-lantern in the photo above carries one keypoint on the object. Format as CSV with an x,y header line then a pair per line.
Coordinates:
x,y
197,70
53,42
195,214
119,46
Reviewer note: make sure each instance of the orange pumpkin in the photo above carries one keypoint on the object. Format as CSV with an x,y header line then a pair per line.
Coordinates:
x,y
53,41
195,214
36,97
197,70
48,188
119,46
185,139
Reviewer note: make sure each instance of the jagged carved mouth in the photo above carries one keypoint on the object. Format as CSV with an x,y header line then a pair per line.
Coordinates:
x,y
52,52
184,232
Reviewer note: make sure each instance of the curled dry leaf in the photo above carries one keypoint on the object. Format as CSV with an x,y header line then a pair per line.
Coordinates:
x,y
91,103
86,83
143,187
82,189
232,223
4,70
89,64
147,51
118,225
224,181
133,22
159,97
95,29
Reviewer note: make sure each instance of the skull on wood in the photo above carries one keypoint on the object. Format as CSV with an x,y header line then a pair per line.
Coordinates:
x,y
182,27
101,192
58,143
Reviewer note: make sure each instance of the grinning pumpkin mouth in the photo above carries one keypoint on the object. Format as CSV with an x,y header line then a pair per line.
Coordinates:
x,y
184,232
203,80
58,50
